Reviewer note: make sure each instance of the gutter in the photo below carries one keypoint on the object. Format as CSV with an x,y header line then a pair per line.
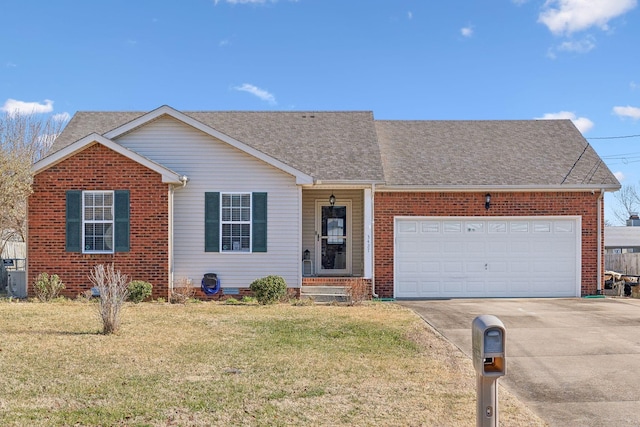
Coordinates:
x,y
599,284
503,188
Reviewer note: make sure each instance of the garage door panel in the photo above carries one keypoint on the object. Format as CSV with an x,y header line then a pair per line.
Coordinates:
x,y
497,287
408,267
453,267
498,267
453,247
407,227
409,246
499,246
562,246
519,267
430,247
476,247
455,287
475,267
520,246
487,257
475,287
542,246
430,287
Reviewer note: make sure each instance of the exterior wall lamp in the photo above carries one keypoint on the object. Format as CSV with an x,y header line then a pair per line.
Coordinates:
x,y
332,200
487,201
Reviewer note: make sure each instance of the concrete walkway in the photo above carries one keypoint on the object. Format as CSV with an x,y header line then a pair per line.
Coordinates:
x,y
575,362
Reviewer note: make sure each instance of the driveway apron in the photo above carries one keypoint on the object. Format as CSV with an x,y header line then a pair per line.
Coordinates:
x,y
575,362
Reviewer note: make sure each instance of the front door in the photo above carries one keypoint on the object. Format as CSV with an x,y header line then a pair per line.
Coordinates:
x,y
333,238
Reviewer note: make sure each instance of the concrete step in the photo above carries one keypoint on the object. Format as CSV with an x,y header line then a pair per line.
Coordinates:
x,y
325,293
333,290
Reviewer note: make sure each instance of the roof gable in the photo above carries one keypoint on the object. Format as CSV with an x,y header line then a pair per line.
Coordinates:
x,y
321,146
168,176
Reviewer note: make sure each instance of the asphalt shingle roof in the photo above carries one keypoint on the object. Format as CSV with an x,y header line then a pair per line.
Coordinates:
x,y
352,146
488,153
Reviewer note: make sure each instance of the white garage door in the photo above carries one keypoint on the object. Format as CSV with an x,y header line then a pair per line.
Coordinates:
x,y
487,257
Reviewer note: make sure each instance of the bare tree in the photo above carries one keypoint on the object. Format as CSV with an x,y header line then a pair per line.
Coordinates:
x,y
113,287
628,200
24,139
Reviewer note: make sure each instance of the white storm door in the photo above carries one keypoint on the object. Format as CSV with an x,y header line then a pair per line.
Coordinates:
x,y
333,238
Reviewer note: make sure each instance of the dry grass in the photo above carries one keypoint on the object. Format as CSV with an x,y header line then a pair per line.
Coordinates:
x,y
215,364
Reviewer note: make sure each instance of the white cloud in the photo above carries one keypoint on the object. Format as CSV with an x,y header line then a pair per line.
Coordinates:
x,y
13,106
634,85
569,16
467,31
583,124
619,176
260,93
61,117
579,46
628,111
585,45
410,15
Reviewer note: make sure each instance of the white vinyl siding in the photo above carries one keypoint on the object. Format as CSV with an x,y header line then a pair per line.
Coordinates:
x,y
214,166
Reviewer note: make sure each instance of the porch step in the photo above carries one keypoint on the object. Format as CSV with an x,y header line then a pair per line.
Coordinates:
x,y
325,293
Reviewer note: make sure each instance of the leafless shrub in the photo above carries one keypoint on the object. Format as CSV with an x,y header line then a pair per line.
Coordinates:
x,y
114,290
182,291
358,291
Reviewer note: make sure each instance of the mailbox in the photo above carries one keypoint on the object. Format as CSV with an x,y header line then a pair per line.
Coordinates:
x,y
488,343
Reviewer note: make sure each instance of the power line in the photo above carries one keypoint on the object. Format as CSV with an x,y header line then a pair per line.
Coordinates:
x,y
614,137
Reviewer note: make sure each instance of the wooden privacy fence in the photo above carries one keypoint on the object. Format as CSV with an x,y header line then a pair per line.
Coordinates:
x,y
623,263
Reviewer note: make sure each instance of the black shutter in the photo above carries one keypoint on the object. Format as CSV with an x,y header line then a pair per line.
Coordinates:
x,y
121,221
259,222
212,222
74,221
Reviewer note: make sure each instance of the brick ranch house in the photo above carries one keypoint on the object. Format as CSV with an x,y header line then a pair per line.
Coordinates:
x,y
416,209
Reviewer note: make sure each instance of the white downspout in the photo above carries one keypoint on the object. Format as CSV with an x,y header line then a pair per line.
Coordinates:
x,y
373,240
171,266
599,287
183,179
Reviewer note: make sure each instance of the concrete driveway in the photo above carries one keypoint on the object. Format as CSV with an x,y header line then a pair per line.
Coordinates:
x,y
575,362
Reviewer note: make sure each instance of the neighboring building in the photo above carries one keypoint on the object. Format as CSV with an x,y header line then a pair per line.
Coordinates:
x,y
419,209
622,240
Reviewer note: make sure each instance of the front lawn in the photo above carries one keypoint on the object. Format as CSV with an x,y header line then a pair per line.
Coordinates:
x,y
205,364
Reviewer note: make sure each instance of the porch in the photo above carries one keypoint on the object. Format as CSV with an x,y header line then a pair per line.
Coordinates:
x,y
337,259
337,232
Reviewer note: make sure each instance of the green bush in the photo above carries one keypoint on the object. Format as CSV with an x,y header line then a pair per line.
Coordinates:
x,y
269,290
139,290
47,287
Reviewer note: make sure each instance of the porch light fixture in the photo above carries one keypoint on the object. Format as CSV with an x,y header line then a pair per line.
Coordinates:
x,y
487,201
332,200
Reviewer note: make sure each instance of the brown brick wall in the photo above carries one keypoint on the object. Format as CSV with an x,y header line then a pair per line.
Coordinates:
x,y
99,168
389,205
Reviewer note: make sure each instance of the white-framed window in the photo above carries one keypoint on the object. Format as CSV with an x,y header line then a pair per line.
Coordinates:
x,y
235,222
97,221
